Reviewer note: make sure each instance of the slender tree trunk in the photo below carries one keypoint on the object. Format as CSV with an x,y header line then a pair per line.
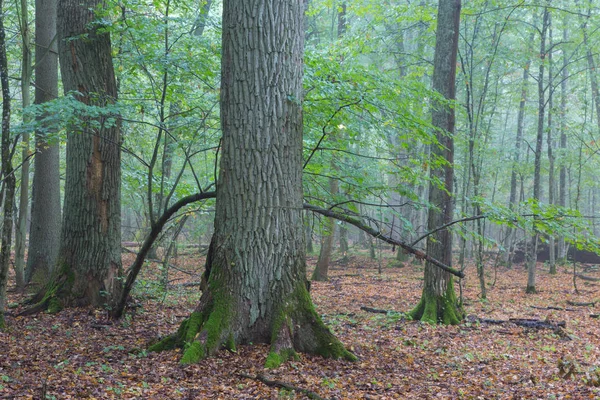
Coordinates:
x,y
257,288
322,268
438,300
7,171
551,183
44,233
21,231
512,202
562,179
537,165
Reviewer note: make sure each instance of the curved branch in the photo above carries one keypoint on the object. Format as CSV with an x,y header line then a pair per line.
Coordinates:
x,y
377,234
149,241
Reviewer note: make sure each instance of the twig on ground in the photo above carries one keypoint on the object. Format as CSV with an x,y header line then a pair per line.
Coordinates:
x,y
273,383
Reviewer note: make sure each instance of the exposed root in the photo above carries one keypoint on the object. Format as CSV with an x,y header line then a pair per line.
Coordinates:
x,y
297,327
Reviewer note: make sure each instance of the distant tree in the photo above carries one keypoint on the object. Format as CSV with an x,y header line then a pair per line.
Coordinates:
x,y
256,263
44,235
7,170
438,301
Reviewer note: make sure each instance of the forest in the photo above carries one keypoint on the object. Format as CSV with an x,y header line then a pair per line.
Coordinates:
x,y
325,199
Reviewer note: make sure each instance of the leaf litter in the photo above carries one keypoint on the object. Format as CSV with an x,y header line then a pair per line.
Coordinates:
x,y
82,354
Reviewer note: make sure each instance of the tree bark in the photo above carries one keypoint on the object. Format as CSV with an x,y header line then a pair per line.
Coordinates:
x,y
321,271
537,165
562,179
7,171
21,231
44,234
256,290
438,300
89,260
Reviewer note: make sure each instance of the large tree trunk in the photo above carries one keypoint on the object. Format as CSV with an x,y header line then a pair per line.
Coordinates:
x,y
89,259
256,264
438,300
44,234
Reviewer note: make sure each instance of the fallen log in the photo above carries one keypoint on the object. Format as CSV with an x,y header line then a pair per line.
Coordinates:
x,y
587,278
273,383
553,308
525,323
581,304
375,310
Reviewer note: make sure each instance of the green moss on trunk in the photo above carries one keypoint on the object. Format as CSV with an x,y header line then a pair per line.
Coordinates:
x,y
438,309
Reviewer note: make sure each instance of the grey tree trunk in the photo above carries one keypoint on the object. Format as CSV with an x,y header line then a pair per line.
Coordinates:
x,y
321,272
562,179
44,232
512,202
438,300
90,248
537,165
21,231
7,171
256,264
551,183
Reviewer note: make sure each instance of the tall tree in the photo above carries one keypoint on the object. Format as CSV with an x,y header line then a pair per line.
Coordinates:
x,y
21,230
7,170
537,164
256,264
89,260
438,300
44,232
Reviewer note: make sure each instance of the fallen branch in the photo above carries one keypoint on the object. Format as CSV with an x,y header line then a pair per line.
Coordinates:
x,y
185,284
581,304
273,383
375,310
525,322
378,235
587,278
553,308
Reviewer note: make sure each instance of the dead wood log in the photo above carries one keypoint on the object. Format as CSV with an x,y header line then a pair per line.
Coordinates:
x,y
375,310
274,383
581,304
526,323
587,278
553,308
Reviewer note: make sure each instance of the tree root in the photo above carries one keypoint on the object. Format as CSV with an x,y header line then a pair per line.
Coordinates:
x,y
274,383
215,324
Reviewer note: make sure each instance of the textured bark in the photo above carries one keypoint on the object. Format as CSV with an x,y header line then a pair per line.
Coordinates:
x,y
21,229
90,250
7,171
256,282
438,301
44,233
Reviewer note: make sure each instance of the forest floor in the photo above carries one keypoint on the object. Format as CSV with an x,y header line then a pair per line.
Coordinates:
x,y
81,354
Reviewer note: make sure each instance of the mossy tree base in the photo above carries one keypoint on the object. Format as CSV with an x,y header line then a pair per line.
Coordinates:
x,y
530,290
65,289
436,309
216,324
